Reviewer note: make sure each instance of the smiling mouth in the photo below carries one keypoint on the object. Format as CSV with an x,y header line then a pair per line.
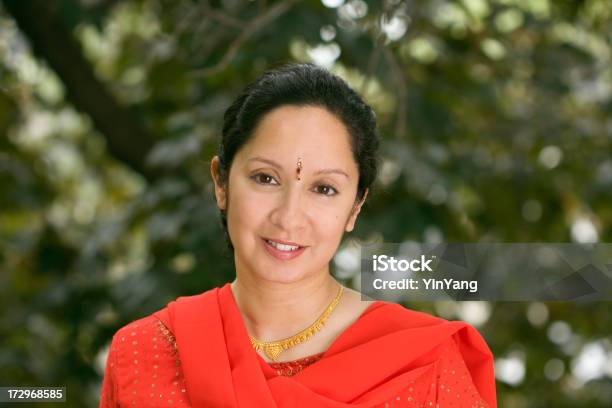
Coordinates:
x,y
285,247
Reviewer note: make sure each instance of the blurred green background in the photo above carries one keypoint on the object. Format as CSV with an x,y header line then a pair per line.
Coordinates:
x,y
496,120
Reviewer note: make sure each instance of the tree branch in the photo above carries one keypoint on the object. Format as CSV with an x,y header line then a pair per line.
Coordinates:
x,y
402,93
127,141
249,31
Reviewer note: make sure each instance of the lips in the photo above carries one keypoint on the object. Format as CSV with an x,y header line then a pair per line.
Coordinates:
x,y
283,250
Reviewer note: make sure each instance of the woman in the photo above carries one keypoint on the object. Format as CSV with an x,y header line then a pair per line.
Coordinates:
x,y
297,157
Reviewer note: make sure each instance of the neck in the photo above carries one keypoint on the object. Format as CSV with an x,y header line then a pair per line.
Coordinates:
x,y
273,310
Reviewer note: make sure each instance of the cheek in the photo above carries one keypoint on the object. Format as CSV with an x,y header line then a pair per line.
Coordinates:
x,y
245,210
331,220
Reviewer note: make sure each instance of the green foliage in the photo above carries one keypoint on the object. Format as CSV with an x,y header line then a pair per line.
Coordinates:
x,y
495,119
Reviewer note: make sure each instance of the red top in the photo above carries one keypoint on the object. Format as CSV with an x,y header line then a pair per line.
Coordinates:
x,y
290,368
202,357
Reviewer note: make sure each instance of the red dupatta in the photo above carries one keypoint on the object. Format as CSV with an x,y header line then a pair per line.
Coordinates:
x,y
369,363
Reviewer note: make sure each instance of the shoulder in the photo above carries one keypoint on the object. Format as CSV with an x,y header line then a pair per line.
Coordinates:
x,y
405,317
466,369
143,358
156,327
147,335
461,354
393,317
146,325
141,325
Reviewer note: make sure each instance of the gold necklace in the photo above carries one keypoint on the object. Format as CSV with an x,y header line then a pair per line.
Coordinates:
x,y
274,348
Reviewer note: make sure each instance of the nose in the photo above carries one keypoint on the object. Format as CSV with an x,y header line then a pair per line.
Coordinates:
x,y
289,214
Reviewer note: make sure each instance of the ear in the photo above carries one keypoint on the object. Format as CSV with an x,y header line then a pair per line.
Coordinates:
x,y
220,193
350,223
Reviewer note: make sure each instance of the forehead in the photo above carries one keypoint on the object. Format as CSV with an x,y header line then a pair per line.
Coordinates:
x,y
309,132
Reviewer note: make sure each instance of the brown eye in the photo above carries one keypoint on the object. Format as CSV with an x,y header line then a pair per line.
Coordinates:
x,y
326,190
263,178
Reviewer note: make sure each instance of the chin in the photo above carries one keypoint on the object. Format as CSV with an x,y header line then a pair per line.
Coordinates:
x,y
282,275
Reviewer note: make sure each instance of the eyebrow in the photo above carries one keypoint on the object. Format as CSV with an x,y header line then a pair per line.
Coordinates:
x,y
278,166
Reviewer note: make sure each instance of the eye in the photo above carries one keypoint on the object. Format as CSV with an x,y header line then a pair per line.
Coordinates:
x,y
326,190
263,178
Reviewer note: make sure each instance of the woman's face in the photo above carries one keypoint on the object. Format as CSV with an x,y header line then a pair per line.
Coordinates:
x,y
269,206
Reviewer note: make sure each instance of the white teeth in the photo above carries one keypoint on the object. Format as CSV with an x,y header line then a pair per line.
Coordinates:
x,y
282,247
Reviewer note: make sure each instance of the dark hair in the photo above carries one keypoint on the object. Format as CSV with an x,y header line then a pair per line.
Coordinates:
x,y
300,85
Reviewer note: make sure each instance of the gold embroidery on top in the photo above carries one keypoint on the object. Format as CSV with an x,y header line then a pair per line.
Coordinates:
x,y
168,335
